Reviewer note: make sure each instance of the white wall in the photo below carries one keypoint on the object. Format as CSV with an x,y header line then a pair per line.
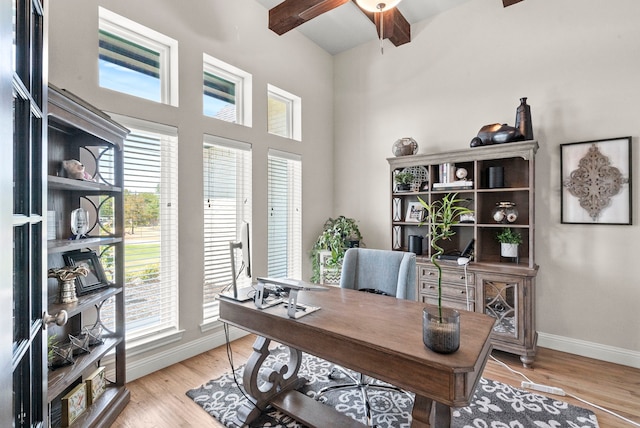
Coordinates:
x,y
577,61
235,32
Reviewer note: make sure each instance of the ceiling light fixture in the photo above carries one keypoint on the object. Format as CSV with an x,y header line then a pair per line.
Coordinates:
x,y
380,7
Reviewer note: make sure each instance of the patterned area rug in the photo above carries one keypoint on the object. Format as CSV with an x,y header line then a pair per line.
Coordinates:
x,y
494,404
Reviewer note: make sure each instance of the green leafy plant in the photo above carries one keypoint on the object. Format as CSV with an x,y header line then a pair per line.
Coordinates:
x,y
442,215
404,177
509,236
337,236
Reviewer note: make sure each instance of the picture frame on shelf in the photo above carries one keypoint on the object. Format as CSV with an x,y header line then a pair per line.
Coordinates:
x,y
96,384
74,404
609,162
95,279
415,212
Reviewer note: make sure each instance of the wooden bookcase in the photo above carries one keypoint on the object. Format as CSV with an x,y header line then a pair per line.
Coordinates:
x,y
76,130
501,287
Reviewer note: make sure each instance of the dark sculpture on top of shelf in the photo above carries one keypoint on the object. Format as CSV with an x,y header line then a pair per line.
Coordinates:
x,y
496,133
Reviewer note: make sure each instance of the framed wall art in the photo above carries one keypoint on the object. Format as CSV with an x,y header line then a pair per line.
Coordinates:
x,y
596,182
96,279
73,404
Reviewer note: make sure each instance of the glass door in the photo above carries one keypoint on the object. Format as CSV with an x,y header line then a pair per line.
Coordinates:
x,y
28,259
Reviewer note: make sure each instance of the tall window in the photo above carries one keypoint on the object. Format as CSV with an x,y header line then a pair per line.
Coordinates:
x,y
284,257
137,60
284,111
227,203
226,93
151,228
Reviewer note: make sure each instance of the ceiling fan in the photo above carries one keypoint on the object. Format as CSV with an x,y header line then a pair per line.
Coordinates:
x,y
389,21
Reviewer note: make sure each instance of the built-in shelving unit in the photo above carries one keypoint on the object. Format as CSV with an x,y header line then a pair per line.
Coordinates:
x,y
501,287
76,130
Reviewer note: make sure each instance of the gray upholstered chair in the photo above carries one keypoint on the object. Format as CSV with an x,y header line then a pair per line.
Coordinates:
x,y
381,271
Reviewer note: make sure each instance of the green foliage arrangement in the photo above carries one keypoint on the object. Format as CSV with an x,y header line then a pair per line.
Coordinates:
x,y
509,236
404,177
336,237
441,216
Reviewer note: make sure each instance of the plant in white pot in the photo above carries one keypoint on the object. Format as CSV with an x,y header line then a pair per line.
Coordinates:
x,y
509,240
441,327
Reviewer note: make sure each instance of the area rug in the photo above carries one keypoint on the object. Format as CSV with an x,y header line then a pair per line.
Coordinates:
x,y
494,404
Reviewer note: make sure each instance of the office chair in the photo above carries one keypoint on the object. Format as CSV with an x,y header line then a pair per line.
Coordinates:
x,y
392,273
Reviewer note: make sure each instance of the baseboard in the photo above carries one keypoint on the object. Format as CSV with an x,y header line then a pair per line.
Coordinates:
x,y
597,351
138,366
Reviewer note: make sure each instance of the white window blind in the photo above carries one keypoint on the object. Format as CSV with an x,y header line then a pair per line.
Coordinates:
x,y
227,203
151,228
284,257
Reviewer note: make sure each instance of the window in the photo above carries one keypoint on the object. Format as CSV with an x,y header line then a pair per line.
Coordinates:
x,y
136,60
227,203
226,92
284,113
151,228
284,252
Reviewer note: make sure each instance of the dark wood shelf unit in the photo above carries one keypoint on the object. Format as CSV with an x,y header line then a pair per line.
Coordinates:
x,y
77,130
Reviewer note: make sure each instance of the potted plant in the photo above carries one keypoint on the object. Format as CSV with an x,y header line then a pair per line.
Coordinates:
x,y
338,234
403,180
441,328
509,240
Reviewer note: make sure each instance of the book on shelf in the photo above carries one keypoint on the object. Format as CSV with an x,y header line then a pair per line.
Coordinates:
x,y
454,185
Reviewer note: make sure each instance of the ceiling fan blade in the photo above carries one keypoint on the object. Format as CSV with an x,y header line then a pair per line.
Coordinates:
x,y
396,27
506,3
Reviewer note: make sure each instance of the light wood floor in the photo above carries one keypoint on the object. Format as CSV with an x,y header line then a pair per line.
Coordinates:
x,y
159,400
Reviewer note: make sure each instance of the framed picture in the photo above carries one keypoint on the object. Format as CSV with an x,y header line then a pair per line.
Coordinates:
x,y
415,213
96,385
96,278
73,404
596,182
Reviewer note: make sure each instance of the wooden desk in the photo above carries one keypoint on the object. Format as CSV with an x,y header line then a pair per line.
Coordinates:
x,y
376,335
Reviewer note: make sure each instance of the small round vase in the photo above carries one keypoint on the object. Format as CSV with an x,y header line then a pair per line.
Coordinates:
x,y
441,335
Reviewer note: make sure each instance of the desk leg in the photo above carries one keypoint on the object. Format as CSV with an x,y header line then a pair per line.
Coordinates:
x,y
428,413
273,381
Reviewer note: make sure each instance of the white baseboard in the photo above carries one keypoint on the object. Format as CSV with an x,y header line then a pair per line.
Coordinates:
x,y
138,366
597,351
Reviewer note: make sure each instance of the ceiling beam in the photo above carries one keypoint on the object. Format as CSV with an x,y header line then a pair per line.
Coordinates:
x,y
506,3
291,13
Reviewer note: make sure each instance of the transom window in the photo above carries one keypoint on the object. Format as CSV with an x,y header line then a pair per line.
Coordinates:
x,y
226,93
284,113
136,60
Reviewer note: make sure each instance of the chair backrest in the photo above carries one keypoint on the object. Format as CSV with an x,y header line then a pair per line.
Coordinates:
x,y
393,272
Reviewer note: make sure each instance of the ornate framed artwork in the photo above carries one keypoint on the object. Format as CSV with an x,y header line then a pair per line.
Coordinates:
x,y
96,279
596,182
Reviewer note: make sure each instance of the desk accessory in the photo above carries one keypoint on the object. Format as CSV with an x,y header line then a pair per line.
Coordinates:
x,y
292,286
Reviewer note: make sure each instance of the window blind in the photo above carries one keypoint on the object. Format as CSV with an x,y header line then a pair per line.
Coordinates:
x,y
284,254
151,229
227,203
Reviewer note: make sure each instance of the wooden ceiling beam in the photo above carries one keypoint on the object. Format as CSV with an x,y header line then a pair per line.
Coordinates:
x,y
291,13
506,3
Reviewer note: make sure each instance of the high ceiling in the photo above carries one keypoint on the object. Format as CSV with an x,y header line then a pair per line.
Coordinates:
x,y
346,26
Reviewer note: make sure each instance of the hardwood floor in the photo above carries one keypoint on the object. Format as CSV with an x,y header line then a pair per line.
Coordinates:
x,y
159,400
